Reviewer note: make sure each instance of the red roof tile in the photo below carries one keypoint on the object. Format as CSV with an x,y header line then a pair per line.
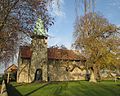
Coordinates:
x,y
63,54
53,53
25,52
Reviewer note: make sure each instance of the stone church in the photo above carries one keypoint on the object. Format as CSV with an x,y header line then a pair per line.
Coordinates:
x,y
39,63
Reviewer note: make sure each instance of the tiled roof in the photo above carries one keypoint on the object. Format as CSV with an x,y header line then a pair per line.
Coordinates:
x,y
63,54
53,54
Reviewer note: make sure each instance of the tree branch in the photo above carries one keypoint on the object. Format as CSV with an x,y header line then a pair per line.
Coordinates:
x,y
5,19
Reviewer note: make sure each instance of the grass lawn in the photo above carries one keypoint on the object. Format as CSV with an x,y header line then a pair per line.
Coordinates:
x,y
78,88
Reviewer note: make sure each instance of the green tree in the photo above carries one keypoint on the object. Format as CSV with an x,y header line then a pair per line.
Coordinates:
x,y
96,38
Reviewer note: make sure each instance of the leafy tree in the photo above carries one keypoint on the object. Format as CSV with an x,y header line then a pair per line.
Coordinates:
x,y
99,42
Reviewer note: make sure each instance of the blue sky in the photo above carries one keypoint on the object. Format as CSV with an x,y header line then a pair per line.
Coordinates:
x,y
61,32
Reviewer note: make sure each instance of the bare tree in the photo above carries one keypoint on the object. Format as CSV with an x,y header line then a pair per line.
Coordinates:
x,y
17,20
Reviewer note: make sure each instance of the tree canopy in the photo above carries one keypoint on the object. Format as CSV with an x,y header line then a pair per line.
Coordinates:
x,y
98,40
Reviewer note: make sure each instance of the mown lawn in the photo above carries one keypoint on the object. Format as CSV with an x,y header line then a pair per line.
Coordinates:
x,y
79,88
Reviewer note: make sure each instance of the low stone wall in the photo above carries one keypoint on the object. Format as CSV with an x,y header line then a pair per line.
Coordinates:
x,y
3,91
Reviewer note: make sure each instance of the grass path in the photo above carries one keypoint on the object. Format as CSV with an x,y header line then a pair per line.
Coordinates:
x,y
79,88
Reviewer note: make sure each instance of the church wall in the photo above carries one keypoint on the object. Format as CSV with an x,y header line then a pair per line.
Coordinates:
x,y
23,70
60,70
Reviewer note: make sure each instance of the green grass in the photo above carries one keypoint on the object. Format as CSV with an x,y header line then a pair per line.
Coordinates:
x,y
79,88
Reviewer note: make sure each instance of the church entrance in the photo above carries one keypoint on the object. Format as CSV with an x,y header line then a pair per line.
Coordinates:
x,y
38,75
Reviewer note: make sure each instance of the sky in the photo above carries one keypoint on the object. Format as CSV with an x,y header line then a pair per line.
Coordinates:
x,y
61,33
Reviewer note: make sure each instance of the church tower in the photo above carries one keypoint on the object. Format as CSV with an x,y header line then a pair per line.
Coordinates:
x,y
38,68
32,62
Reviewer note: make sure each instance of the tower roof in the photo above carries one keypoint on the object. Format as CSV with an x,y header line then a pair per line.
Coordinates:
x,y
40,28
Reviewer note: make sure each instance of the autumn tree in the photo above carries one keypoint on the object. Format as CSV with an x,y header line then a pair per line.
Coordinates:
x,y
17,21
98,40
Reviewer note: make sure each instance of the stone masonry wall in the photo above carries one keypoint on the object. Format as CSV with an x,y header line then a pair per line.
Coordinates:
x,y
39,58
23,70
65,71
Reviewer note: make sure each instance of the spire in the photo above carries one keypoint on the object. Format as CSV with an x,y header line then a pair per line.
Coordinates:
x,y
39,29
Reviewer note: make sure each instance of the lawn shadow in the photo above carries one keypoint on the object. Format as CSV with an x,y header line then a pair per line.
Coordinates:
x,y
37,89
18,85
118,85
12,91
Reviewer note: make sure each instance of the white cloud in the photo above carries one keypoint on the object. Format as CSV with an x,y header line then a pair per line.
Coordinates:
x,y
57,8
118,25
59,41
114,3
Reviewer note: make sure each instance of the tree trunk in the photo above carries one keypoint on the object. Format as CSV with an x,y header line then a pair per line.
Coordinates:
x,y
98,73
95,73
92,77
